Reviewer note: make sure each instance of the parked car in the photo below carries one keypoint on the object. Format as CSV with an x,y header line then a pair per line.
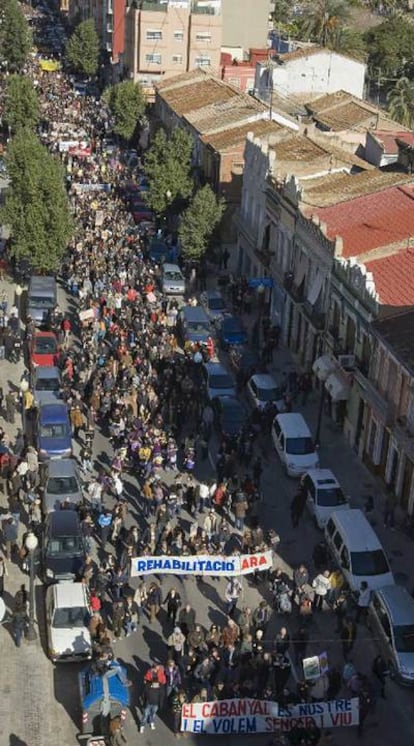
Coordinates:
x,y
262,389
219,382
231,332
97,691
293,442
62,484
230,416
158,251
391,619
67,615
46,384
54,433
44,349
214,304
245,361
193,325
323,495
172,280
63,547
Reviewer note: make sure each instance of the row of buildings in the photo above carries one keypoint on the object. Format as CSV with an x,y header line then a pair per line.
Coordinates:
x,y
320,198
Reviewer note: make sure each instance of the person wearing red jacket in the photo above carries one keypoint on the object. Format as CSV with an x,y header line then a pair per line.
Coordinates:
x,y
154,692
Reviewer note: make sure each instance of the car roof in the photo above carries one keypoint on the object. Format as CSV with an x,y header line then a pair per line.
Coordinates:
x,y
359,533
68,594
63,467
62,521
51,412
43,333
293,424
46,371
399,604
214,368
264,380
214,294
232,320
320,477
230,401
171,267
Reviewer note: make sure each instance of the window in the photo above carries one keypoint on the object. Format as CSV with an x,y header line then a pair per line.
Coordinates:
x,y
153,59
153,35
203,61
178,35
177,59
203,36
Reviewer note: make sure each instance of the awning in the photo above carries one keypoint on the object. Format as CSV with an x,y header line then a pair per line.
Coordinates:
x,y
315,288
337,386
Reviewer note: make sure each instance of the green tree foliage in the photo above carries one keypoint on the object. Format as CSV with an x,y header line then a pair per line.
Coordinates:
x,y
82,50
22,106
348,41
391,48
127,105
36,207
15,36
322,19
198,223
401,102
168,168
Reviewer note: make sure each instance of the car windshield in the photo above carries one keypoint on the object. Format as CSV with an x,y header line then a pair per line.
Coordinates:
x,y
404,638
266,394
198,326
232,325
54,431
328,498
369,563
64,545
299,446
47,384
216,304
233,414
221,381
173,276
62,486
44,345
40,302
72,617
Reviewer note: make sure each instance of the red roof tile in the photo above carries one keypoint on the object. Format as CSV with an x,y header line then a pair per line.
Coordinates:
x,y
388,140
394,278
371,221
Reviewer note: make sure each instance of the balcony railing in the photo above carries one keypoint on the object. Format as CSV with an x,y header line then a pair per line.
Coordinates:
x,y
295,291
316,318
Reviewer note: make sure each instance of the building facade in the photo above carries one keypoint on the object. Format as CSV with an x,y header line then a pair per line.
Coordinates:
x,y
245,23
164,39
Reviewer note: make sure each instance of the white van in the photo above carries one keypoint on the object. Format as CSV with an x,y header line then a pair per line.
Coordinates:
x,y
356,548
294,445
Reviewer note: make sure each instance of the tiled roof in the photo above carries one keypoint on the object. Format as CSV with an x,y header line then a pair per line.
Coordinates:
x,y
297,148
397,331
302,52
182,79
228,138
327,101
394,278
388,140
234,110
406,138
346,115
372,221
332,189
197,95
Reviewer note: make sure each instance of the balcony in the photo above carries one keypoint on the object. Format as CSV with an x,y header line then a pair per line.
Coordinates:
x,y
402,433
384,410
316,318
295,291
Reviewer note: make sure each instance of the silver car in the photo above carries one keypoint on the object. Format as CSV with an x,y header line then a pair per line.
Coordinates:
x,y
391,617
62,484
172,280
46,384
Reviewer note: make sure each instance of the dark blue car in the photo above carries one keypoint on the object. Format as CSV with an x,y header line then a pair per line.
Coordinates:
x,y
231,332
54,432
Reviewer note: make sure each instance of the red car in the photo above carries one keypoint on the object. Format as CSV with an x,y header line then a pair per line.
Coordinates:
x,y
44,349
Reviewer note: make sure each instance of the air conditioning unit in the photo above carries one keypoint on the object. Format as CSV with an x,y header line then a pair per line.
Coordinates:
x,y
347,361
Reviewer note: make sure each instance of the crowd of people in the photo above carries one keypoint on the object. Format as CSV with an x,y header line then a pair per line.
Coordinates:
x,y
125,375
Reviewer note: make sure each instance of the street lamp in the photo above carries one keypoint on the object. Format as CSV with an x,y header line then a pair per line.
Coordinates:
x,y
31,542
322,367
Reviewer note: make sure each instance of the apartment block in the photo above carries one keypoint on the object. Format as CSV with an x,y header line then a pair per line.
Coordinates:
x,y
163,39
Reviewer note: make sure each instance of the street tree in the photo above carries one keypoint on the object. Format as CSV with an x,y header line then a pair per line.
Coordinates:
x,y
36,208
198,223
15,36
82,50
391,49
168,169
321,20
22,105
127,105
400,101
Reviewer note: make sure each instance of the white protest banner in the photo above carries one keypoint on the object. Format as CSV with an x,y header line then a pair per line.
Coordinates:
x,y
235,716
202,564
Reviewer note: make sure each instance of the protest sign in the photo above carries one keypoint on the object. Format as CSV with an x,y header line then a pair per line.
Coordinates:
x,y
203,564
235,716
